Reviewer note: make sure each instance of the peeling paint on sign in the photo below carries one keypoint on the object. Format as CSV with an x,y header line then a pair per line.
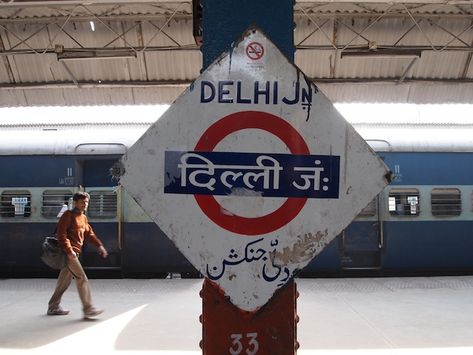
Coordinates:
x,y
302,250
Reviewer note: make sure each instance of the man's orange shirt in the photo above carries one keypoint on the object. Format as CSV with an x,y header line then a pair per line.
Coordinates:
x,y
72,229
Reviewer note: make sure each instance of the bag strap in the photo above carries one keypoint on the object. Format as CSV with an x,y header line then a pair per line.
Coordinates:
x,y
68,228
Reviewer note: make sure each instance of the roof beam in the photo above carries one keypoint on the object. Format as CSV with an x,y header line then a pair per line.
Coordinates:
x,y
110,51
381,50
185,83
184,16
27,3
87,18
20,3
95,84
441,2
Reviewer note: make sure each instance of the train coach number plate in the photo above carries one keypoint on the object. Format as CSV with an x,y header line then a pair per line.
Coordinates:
x,y
252,171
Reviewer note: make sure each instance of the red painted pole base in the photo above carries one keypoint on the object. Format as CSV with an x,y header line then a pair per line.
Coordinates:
x,y
226,329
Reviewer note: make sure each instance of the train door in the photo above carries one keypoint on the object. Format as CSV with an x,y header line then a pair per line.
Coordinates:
x,y
362,240
104,214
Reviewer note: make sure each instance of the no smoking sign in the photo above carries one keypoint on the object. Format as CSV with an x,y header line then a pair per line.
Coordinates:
x,y
252,174
254,50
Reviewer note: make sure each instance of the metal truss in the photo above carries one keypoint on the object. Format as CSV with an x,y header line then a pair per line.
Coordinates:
x,y
322,17
62,16
423,19
375,15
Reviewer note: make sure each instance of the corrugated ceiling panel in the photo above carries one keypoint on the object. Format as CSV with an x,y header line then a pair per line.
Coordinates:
x,y
104,34
157,7
374,67
329,64
91,96
157,95
419,93
439,7
171,32
12,98
124,34
318,64
38,67
36,12
443,65
395,31
98,70
177,65
165,65
18,33
34,69
165,7
118,96
469,73
5,74
441,93
376,92
168,7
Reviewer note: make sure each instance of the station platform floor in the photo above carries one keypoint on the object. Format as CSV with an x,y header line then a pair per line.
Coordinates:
x,y
386,316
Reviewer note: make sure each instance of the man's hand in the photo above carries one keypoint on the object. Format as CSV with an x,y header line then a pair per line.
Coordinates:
x,y
103,252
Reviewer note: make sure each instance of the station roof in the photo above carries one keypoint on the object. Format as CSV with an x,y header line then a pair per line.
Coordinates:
x,y
116,52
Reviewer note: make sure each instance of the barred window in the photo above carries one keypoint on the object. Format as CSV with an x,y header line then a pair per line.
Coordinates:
x,y
403,202
102,204
15,204
369,210
53,201
446,202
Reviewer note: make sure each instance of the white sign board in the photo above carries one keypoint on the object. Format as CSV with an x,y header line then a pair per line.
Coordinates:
x,y
252,171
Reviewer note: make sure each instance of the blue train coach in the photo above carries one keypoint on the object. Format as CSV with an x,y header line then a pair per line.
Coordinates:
x,y
422,223
40,171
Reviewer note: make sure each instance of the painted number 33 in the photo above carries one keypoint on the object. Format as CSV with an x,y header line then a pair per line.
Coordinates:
x,y
237,346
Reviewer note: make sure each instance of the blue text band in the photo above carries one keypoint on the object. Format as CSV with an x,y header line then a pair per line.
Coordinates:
x,y
251,174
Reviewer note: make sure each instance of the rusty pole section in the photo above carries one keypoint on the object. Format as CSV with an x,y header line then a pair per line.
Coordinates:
x,y
226,328
270,330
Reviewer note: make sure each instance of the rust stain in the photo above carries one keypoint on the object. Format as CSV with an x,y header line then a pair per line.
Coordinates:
x,y
301,251
389,176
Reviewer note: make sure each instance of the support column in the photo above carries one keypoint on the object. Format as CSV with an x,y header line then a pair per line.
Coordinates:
x,y
225,20
270,330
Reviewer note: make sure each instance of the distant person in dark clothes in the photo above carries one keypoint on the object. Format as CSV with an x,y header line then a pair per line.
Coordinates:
x,y
72,229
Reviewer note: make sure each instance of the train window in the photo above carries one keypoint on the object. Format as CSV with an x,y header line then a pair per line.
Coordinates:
x,y
403,202
103,204
446,202
53,200
369,210
15,204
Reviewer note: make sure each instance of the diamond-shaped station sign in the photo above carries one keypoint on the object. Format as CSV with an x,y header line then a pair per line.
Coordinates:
x,y
252,171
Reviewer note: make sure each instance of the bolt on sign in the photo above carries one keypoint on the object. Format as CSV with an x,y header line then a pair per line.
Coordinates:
x,y
252,171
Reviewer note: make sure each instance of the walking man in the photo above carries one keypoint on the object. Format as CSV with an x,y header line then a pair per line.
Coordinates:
x,y
72,229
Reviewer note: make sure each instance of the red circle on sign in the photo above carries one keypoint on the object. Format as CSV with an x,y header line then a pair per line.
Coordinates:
x,y
246,120
254,50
